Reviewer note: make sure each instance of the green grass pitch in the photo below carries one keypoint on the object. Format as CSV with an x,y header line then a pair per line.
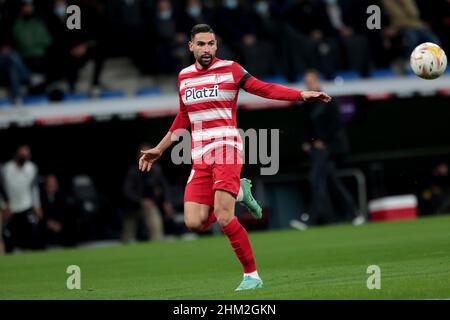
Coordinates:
x,y
320,263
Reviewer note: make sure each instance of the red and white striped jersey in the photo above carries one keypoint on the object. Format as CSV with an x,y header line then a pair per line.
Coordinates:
x,y
208,99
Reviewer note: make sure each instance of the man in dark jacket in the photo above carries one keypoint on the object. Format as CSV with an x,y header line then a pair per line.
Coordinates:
x,y
326,142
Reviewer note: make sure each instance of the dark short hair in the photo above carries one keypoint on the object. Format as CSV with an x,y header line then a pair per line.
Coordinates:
x,y
200,28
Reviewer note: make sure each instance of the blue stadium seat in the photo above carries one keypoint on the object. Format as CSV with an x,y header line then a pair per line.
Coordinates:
x,y
5,103
348,75
75,97
111,94
275,79
148,91
36,100
382,73
410,73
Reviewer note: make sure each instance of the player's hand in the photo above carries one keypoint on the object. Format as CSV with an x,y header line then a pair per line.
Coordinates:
x,y
148,157
312,96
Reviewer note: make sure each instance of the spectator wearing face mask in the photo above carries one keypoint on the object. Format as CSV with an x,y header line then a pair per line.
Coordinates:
x,y
31,38
191,13
170,43
21,204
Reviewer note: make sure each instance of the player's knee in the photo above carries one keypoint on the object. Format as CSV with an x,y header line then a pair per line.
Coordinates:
x,y
193,224
224,216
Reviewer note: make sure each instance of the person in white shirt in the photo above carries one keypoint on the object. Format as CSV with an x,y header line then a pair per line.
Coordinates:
x,y
21,203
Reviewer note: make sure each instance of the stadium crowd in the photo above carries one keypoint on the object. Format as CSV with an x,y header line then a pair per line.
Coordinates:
x,y
37,49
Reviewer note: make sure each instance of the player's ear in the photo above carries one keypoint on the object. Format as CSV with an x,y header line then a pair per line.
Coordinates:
x,y
190,44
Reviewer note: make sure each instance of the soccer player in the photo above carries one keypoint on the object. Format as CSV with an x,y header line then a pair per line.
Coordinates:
x,y
208,92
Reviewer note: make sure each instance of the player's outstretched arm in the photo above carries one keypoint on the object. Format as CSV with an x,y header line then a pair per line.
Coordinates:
x,y
279,92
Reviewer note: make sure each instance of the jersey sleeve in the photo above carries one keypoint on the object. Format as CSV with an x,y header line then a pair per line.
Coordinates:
x,y
240,75
181,121
263,89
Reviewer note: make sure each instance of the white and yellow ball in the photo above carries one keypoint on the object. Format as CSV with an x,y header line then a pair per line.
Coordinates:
x,y
428,61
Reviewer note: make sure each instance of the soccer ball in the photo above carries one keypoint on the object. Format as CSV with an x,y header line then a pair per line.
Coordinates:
x,y
428,61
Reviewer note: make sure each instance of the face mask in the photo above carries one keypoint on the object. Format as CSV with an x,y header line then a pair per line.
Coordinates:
x,y
262,7
194,11
165,15
231,4
60,11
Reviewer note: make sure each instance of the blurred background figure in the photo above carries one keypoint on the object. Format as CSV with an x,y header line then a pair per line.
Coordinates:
x,y
88,205
22,210
435,198
193,12
237,24
72,49
130,23
325,143
147,196
170,44
32,39
58,223
305,45
341,24
12,68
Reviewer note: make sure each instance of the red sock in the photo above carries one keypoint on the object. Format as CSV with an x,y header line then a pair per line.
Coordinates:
x,y
210,221
241,245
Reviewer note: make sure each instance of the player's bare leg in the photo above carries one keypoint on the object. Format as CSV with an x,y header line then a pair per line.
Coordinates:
x,y
224,204
196,215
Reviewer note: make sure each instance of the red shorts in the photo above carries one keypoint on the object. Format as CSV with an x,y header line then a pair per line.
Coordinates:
x,y
206,178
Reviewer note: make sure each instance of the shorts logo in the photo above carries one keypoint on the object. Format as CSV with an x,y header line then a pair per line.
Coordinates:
x,y
191,175
195,94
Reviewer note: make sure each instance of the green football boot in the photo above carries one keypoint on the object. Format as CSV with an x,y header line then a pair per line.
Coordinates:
x,y
248,200
249,283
